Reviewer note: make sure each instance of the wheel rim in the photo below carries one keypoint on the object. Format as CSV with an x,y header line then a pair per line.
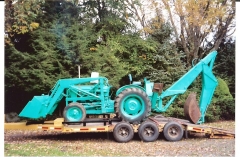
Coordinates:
x,y
173,132
74,114
149,131
124,132
132,106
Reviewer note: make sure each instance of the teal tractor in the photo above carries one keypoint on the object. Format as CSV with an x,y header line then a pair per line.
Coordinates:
x,y
133,103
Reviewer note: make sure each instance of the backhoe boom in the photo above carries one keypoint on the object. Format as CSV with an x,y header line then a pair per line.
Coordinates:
x,y
209,83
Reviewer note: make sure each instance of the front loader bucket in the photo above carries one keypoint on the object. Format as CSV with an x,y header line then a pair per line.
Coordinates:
x,y
36,107
191,108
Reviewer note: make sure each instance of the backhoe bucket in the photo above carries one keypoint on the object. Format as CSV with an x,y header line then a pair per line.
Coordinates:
x,y
191,108
36,107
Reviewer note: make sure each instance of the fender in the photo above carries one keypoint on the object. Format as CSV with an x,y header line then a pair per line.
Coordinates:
x,y
129,86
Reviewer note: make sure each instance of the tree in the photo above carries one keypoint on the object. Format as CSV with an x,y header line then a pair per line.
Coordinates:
x,y
167,64
143,11
225,63
32,66
20,17
34,72
196,22
100,40
65,39
222,105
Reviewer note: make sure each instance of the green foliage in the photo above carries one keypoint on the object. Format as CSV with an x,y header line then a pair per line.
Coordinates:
x,y
175,111
167,67
33,72
222,105
105,62
213,113
225,64
37,70
222,91
21,16
101,45
99,36
66,37
177,107
166,64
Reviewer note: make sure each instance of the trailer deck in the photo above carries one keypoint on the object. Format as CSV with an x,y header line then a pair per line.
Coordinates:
x,y
108,125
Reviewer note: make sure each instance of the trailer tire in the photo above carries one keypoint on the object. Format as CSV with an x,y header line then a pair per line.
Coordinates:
x,y
173,131
123,132
132,105
74,112
148,131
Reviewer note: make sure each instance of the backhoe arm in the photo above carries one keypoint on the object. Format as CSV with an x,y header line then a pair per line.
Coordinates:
x,y
209,83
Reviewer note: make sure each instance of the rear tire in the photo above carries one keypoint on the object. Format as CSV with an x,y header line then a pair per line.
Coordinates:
x,y
74,112
173,131
132,105
123,132
148,131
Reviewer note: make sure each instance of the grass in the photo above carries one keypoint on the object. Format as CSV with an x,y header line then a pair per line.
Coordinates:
x,y
26,149
57,148
228,125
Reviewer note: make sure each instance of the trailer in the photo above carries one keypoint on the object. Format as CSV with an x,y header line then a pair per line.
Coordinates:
x,y
173,129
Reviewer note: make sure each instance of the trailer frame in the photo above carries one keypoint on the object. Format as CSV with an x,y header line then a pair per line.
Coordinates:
x,y
107,124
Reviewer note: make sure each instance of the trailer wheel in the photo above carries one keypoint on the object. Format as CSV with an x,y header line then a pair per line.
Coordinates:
x,y
123,132
173,131
132,105
148,131
74,112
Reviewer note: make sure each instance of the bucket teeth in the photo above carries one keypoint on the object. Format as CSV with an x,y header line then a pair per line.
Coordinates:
x,y
191,108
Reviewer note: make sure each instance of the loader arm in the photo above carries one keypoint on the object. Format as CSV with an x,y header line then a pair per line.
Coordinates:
x,y
41,106
209,83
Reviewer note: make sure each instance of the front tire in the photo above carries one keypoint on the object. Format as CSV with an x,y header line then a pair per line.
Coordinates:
x,y
74,112
132,105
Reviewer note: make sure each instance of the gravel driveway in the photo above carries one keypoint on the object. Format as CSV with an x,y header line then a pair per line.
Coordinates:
x,y
103,144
